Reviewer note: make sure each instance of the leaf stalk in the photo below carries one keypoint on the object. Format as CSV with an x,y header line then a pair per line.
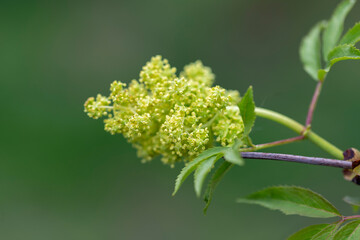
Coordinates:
x,y
300,129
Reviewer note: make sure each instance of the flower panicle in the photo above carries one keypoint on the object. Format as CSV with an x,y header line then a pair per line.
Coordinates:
x,y
173,116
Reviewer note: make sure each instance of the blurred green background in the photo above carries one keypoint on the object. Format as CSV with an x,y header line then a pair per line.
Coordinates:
x,y
63,177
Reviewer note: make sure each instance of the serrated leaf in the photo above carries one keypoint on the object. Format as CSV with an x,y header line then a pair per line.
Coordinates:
x,y
310,51
340,53
293,200
350,231
214,181
343,52
352,36
202,171
247,110
232,155
191,166
335,26
314,232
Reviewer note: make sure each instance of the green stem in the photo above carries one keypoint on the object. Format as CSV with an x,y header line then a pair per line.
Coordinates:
x,y
301,130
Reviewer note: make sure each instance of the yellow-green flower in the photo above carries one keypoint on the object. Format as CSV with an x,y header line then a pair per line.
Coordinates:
x,y
173,116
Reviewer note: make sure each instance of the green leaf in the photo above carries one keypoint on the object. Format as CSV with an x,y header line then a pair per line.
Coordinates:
x,y
343,52
214,181
335,26
340,53
202,171
191,166
350,231
353,201
247,110
232,155
314,232
352,36
310,52
293,200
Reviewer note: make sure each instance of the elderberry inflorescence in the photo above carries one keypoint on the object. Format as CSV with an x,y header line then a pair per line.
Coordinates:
x,y
176,117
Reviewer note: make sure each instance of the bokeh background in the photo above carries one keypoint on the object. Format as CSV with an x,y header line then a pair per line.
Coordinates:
x,y
63,177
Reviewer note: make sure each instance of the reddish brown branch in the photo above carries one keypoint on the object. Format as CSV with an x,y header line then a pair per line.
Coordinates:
x,y
313,104
298,159
279,142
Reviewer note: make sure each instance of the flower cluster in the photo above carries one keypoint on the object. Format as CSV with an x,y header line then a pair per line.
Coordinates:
x,y
163,114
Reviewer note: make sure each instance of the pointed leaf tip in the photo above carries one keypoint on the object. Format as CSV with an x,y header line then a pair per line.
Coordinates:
x,y
247,110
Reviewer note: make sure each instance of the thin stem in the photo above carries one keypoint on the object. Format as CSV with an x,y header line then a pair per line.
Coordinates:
x,y
350,217
299,129
313,103
279,118
106,107
298,159
273,144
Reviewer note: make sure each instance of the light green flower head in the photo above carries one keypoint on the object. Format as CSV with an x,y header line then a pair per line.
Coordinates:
x,y
163,114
